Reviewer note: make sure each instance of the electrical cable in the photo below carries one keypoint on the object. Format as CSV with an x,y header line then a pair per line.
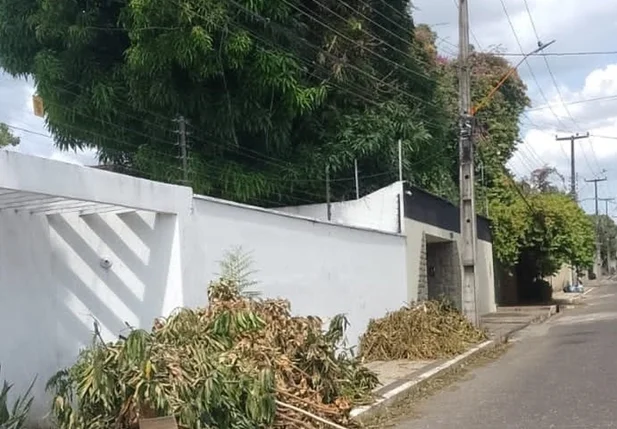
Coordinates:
x,y
556,85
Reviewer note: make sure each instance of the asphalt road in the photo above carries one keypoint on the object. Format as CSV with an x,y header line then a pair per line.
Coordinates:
x,y
561,374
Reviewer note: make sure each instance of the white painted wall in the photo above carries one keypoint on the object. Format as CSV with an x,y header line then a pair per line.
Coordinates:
x,y
378,210
27,303
324,269
485,278
53,286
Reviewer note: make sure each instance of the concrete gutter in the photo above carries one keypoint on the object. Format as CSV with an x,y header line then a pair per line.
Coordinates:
x,y
398,392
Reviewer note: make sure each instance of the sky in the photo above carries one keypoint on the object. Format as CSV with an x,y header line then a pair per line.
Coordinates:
x,y
579,97
556,100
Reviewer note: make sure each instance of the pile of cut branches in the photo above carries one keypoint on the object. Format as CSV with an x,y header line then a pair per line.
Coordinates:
x,y
430,330
239,363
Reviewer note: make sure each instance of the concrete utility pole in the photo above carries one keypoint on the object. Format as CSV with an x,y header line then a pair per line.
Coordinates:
x,y
609,259
572,139
466,169
598,264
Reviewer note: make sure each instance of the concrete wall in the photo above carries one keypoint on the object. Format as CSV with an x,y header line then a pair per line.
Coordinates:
x,y
418,236
561,278
61,272
324,269
485,278
421,215
444,274
379,210
54,287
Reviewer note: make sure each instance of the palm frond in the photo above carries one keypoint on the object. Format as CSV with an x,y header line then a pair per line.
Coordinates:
x,y
237,267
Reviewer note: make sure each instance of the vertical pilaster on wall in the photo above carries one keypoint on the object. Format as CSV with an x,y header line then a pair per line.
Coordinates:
x,y
422,273
399,212
456,281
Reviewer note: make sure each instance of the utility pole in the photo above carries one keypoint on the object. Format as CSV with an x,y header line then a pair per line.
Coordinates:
x,y
572,139
466,170
183,151
609,258
598,264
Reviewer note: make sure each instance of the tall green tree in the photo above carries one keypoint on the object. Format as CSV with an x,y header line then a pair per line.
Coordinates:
x,y
607,236
539,230
274,91
7,138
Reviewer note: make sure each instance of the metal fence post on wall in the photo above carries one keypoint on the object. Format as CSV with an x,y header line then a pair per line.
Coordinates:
x,y
182,133
398,210
355,167
400,160
328,203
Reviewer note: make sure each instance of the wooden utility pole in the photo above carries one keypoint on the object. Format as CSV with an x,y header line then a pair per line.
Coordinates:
x,y
598,264
466,170
572,139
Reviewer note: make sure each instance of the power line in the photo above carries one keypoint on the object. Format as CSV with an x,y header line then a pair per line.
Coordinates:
x,y
350,40
572,103
552,75
563,54
518,42
520,46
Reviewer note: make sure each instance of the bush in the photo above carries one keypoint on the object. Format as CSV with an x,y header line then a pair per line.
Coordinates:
x,y
14,417
241,363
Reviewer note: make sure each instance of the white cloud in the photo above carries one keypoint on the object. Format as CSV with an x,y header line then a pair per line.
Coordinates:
x,y
578,78
598,118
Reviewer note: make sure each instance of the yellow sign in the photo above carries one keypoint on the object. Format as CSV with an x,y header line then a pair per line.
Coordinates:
x,y
37,103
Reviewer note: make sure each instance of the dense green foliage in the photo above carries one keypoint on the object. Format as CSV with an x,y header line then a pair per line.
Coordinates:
x,y
277,92
273,90
6,136
540,230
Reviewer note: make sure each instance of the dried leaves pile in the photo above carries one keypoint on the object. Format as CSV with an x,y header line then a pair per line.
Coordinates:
x,y
431,330
240,363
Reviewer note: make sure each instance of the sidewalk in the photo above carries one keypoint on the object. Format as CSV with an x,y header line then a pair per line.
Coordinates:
x,y
508,320
400,378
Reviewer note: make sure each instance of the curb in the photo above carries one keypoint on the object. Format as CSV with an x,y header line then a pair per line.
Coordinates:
x,y
540,318
400,392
